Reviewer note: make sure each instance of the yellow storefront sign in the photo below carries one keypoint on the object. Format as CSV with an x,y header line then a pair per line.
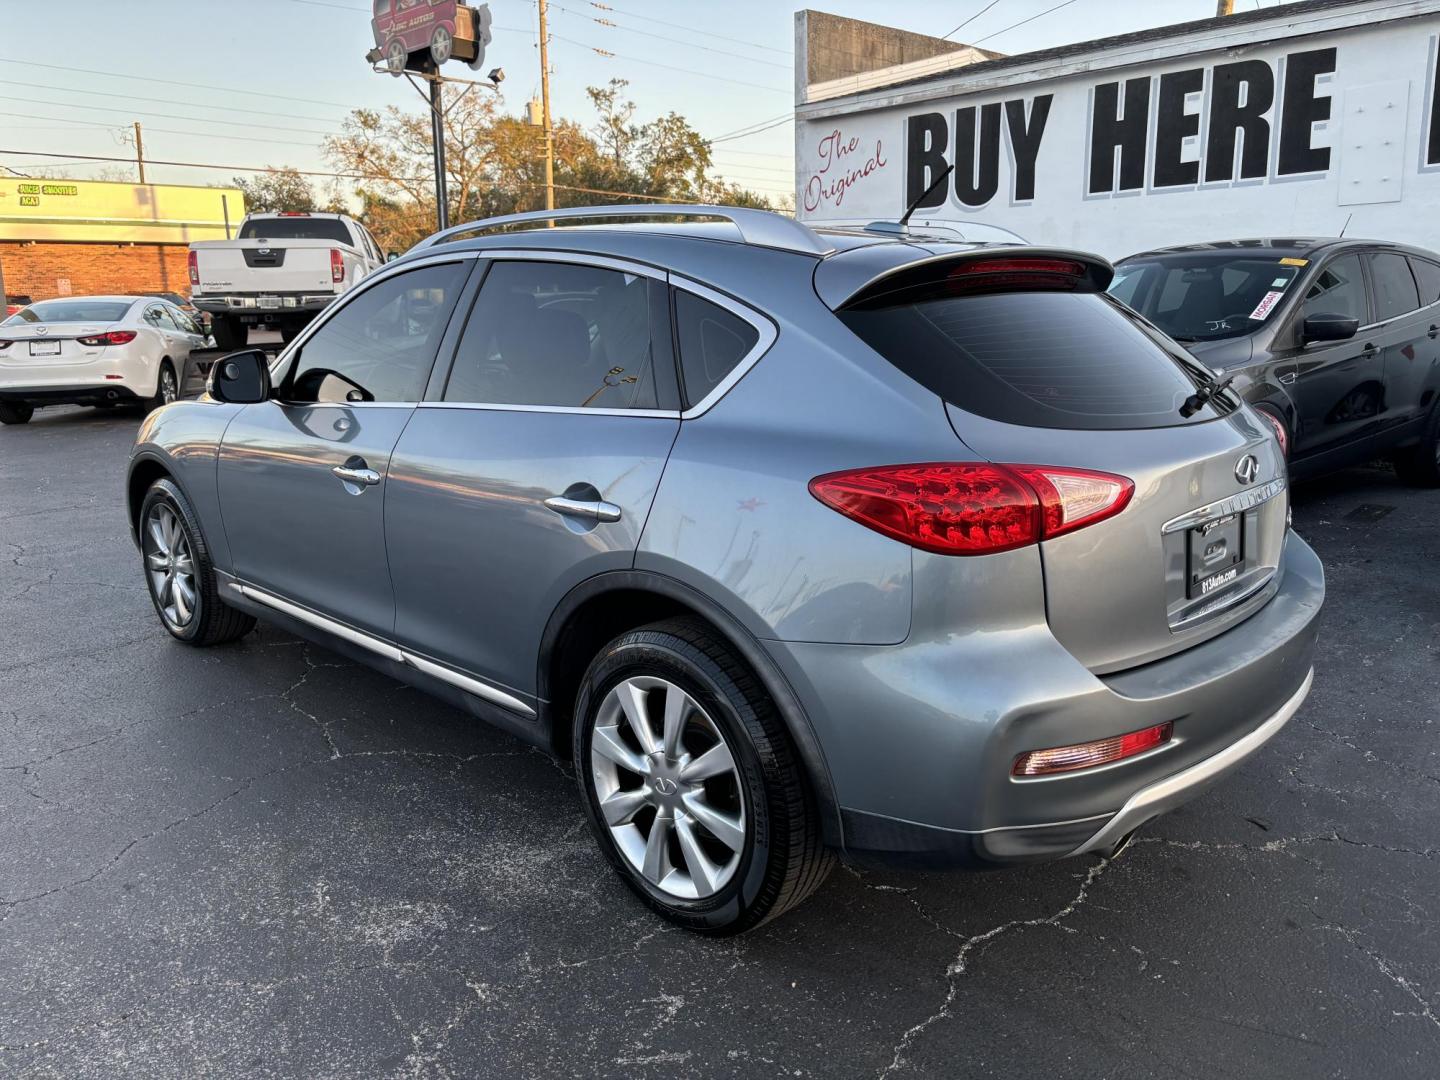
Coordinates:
x,y
104,212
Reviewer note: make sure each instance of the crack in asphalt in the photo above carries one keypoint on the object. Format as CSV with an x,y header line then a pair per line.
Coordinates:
x,y
1386,968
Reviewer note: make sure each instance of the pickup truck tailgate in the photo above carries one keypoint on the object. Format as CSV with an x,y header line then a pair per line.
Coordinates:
x,y
261,266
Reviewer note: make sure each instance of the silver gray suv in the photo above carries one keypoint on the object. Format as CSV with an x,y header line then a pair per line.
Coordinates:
x,y
797,540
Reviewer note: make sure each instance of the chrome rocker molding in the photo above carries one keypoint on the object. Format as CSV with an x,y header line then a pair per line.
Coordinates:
x,y
1166,794
383,648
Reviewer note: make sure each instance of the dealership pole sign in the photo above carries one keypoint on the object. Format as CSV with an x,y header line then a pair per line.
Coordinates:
x,y
424,35
1289,139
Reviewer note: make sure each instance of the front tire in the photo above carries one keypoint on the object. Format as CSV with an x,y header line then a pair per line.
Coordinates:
x,y
690,781
179,574
1420,465
16,412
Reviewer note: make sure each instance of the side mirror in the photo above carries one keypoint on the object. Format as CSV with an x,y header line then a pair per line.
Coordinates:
x,y
241,378
1328,326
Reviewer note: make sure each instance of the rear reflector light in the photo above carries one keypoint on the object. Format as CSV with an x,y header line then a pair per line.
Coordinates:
x,y
113,337
194,263
1087,755
117,378
973,508
337,266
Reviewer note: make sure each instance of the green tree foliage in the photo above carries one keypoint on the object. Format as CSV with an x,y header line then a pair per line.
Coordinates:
x,y
495,163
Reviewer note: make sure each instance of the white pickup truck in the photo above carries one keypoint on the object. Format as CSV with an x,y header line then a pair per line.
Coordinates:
x,y
280,271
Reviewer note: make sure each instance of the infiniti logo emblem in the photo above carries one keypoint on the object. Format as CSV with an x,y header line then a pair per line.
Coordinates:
x,y
1246,469
664,785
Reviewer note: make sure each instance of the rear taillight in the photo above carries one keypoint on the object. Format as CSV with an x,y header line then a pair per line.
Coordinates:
x,y
1278,426
112,337
1087,755
194,264
973,508
337,266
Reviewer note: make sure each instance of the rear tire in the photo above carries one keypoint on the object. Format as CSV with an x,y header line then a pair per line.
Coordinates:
x,y
229,335
15,412
1420,465
167,387
705,873
188,603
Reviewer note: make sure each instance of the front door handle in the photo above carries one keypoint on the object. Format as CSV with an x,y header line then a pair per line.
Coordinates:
x,y
356,472
1369,350
1434,331
587,509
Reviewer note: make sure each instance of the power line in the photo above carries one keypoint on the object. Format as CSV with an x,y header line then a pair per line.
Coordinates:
x,y
163,101
669,67
1022,22
747,127
167,116
747,134
222,168
370,11
662,37
687,29
971,19
162,131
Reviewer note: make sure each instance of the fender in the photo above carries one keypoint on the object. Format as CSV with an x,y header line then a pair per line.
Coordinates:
x,y
812,757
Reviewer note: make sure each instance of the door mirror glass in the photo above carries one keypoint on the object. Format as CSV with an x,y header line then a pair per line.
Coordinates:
x,y
241,378
391,257
1330,326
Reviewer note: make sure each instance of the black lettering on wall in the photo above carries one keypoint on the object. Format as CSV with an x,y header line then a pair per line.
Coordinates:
x,y
976,187
1240,95
1109,128
1173,125
1025,141
1432,142
1302,108
926,137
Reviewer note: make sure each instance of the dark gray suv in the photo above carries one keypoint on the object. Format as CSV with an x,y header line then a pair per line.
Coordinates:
x,y
797,540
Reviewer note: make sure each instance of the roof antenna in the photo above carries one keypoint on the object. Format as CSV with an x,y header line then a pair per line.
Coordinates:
x,y
1346,225
944,175
898,228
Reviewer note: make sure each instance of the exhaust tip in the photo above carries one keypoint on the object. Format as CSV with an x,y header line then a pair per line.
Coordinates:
x,y
1121,844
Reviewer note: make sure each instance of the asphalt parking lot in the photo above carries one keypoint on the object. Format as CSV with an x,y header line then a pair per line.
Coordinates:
x,y
262,860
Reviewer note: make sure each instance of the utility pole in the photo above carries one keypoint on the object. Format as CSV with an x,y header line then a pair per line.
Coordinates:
x,y
140,151
1224,7
545,110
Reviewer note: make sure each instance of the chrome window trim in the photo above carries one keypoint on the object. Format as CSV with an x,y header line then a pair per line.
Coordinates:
x,y
380,647
763,326
1232,504
579,258
488,406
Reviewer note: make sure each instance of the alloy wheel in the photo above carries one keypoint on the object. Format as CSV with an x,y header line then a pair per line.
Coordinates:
x,y
167,386
170,566
668,788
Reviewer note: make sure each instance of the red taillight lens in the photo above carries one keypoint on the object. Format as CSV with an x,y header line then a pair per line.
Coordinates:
x,y
987,275
1281,435
1087,755
113,337
1018,266
194,263
337,266
973,509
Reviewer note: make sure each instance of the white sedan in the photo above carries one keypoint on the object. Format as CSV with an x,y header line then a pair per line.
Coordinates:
x,y
93,350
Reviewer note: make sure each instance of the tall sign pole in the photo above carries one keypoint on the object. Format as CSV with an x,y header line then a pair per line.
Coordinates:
x,y
437,137
1224,7
545,110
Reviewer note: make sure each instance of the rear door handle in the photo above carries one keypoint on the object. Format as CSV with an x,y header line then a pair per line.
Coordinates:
x,y
586,509
1434,331
1369,350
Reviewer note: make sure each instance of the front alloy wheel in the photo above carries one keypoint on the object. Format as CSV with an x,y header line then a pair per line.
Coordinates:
x,y
170,567
667,788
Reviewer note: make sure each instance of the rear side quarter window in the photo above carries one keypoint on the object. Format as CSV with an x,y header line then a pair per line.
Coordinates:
x,y
713,342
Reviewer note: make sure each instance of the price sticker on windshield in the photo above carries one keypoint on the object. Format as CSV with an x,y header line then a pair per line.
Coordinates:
x,y
1266,305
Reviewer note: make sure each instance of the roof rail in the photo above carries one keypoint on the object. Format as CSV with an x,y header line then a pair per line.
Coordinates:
x,y
763,228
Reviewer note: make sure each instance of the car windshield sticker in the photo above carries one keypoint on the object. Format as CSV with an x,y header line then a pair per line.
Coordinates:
x,y
1279,283
1294,262
1264,307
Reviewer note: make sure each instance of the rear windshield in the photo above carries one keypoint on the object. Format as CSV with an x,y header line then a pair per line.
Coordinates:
x,y
1203,299
57,311
1041,359
295,228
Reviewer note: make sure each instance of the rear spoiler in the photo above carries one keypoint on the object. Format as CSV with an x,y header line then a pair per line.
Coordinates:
x,y
866,274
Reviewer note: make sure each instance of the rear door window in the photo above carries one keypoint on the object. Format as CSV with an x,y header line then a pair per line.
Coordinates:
x,y
1395,291
1041,359
559,335
713,341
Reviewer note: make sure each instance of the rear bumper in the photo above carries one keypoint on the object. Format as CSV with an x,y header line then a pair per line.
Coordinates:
x,y
920,737
114,393
251,303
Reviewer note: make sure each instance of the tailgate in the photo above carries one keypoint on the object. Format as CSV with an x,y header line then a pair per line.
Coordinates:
x,y
261,267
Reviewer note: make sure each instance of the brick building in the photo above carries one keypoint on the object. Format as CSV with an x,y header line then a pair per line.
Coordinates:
x,y
78,238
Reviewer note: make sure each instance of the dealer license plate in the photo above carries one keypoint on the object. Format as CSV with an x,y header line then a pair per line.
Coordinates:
x,y
1216,555
44,348
269,302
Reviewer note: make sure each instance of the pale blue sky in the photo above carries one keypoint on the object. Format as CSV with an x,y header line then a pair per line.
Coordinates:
x,y
258,82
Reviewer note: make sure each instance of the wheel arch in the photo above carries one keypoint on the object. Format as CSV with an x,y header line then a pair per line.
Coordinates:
x,y
603,607
144,471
